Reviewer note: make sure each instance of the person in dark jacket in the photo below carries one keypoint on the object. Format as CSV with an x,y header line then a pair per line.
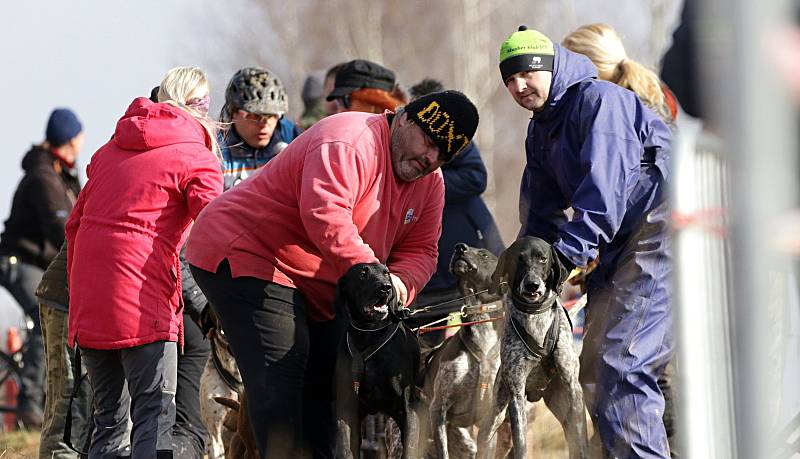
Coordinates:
x,y
255,106
594,146
465,217
32,236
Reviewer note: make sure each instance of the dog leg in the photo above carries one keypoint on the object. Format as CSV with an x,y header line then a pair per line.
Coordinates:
x,y
519,424
461,443
487,434
411,432
574,416
348,421
440,404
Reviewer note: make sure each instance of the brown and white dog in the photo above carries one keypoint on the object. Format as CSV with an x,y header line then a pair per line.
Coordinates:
x,y
220,379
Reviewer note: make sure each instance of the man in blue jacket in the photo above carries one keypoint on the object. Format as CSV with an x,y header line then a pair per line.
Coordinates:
x,y
593,147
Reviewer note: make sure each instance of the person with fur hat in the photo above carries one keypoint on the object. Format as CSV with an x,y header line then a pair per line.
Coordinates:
x,y
255,107
594,146
365,86
33,235
356,187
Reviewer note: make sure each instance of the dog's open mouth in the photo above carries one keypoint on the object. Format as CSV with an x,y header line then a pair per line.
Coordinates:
x,y
461,266
381,308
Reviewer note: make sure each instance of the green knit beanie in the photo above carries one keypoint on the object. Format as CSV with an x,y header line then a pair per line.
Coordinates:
x,y
525,50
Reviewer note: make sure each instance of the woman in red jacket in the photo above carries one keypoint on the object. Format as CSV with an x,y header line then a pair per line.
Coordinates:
x,y
145,187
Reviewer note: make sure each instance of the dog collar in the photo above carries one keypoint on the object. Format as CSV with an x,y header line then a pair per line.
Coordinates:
x,y
533,308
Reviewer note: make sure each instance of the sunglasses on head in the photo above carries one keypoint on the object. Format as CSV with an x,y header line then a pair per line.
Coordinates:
x,y
255,118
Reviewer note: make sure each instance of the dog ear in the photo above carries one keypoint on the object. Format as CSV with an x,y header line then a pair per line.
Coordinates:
x,y
558,272
339,306
506,267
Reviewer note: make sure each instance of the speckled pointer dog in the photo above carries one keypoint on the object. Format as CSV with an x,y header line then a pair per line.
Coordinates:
x,y
378,360
537,357
460,377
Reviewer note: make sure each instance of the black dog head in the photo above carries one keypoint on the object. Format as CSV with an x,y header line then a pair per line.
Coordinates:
x,y
474,267
366,293
532,269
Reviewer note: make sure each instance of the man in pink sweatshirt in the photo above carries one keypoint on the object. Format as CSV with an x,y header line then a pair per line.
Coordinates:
x,y
356,187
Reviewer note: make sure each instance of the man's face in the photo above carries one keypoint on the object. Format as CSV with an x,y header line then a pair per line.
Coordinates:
x,y
72,149
414,154
331,106
255,130
530,89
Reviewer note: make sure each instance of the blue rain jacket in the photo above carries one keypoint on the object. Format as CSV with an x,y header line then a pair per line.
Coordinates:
x,y
586,150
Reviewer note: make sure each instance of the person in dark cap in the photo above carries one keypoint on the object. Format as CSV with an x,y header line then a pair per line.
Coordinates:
x,y
465,219
33,235
595,147
356,187
365,86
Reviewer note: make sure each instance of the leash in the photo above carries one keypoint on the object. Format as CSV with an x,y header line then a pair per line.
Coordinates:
x,y
465,310
433,307
423,330
67,438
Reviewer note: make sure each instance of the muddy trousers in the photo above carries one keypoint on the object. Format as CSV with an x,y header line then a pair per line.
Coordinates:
x,y
286,362
628,344
137,383
61,377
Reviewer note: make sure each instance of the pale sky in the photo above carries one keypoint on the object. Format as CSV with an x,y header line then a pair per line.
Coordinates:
x,y
92,56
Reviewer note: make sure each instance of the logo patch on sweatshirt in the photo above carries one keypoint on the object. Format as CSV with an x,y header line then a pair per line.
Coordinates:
x,y
409,217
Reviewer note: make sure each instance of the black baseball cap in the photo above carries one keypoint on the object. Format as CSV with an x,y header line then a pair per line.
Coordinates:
x,y
359,74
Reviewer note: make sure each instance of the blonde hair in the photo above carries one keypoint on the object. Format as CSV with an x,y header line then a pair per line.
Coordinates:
x,y
601,44
182,84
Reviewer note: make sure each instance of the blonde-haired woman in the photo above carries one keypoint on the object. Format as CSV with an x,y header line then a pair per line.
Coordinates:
x,y
145,187
603,46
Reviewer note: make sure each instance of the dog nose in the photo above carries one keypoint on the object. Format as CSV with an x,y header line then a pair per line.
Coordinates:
x,y
386,289
461,247
532,285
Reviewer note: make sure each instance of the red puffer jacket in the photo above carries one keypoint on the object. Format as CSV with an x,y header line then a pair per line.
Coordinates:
x,y
145,187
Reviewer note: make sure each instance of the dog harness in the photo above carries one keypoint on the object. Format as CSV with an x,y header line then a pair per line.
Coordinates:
x,y
484,377
360,357
551,338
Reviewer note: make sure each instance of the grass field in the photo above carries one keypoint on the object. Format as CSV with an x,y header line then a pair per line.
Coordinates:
x,y
546,440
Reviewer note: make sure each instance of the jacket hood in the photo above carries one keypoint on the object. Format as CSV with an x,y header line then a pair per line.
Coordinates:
x,y
147,125
36,157
569,69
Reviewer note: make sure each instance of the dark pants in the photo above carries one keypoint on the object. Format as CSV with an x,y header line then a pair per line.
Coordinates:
x,y
21,280
286,362
189,433
137,383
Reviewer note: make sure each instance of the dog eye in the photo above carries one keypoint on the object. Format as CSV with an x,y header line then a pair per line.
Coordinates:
x,y
483,255
542,260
